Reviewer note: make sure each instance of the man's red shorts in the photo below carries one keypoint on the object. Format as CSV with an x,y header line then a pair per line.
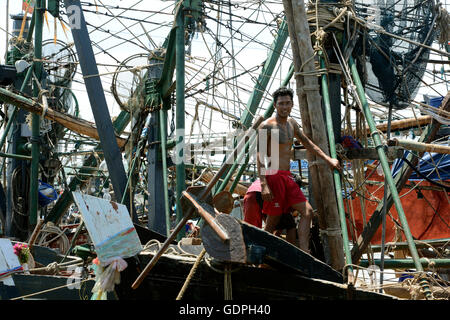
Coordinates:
x,y
285,191
283,187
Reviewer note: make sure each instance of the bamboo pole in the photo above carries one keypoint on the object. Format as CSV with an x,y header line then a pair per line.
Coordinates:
x,y
387,172
15,156
191,274
35,233
403,124
239,189
336,175
421,147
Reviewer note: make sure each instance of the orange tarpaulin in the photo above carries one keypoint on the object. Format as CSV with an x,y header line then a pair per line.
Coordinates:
x,y
428,216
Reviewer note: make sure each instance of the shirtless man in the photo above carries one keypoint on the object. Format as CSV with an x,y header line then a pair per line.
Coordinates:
x,y
278,188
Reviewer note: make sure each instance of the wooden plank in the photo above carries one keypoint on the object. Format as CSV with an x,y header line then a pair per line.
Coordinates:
x,y
233,250
207,216
8,262
109,225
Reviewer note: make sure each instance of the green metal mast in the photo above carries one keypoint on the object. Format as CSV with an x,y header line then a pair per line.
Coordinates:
x,y
37,68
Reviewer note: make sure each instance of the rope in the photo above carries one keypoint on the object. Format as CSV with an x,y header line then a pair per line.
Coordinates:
x,y
50,229
56,267
45,104
208,262
227,284
191,274
48,290
169,250
323,16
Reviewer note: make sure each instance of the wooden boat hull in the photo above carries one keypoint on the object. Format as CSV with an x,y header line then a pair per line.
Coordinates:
x,y
27,286
248,283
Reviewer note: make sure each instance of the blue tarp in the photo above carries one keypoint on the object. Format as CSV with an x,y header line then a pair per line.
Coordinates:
x,y
427,166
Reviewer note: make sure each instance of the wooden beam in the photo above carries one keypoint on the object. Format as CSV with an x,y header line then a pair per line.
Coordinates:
x,y
420,146
306,122
308,91
208,217
364,153
404,124
392,153
75,124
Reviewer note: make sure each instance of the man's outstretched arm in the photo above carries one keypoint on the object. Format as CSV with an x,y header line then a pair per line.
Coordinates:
x,y
312,147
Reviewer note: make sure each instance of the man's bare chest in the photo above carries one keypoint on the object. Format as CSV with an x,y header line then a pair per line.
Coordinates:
x,y
285,133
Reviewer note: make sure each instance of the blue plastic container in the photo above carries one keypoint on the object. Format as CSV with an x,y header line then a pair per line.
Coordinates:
x,y
433,101
46,194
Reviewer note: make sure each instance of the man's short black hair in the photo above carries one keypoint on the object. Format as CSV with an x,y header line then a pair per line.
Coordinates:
x,y
283,91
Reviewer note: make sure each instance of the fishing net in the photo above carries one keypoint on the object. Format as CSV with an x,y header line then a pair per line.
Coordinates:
x,y
395,60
